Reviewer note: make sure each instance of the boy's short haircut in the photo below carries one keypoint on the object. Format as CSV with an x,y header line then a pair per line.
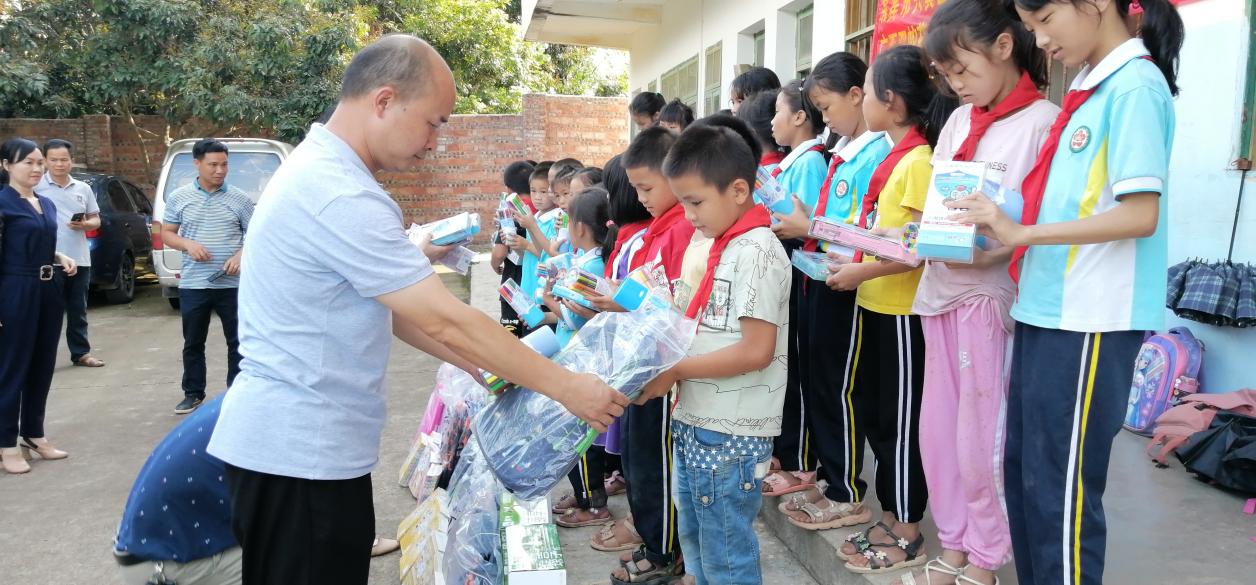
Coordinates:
x,y
590,175
676,112
565,175
540,172
649,149
56,143
518,176
565,163
720,149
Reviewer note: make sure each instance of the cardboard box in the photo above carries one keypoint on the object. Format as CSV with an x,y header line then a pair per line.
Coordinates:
x,y
452,230
940,237
841,233
814,264
533,555
513,511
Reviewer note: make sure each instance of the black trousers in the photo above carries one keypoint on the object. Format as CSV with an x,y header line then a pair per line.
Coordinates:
x,y
197,306
510,319
647,459
30,328
302,531
888,377
836,434
74,290
588,478
793,447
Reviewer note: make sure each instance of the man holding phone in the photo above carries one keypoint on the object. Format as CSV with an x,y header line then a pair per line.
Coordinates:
x,y
207,220
77,214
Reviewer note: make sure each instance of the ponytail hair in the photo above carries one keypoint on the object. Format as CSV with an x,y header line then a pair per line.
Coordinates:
x,y
838,73
904,71
974,25
591,207
757,111
646,103
719,148
13,151
798,102
1162,30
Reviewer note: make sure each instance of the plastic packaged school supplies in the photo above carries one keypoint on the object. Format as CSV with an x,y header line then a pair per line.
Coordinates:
x,y
578,284
531,441
453,230
523,304
473,550
542,341
458,260
516,203
422,535
814,264
640,283
436,447
837,232
771,194
940,237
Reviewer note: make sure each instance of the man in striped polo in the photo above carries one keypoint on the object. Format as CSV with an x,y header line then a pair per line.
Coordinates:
x,y
207,219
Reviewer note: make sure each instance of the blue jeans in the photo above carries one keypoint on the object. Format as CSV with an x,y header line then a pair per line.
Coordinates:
x,y
75,290
718,478
196,306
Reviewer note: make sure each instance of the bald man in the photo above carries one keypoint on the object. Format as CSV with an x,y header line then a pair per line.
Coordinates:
x,y
328,278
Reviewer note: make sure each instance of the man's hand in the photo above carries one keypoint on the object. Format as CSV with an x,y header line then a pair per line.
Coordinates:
x,y
432,251
657,387
232,265
196,251
592,400
795,225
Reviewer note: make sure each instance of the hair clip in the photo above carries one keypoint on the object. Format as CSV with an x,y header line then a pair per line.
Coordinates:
x,y
1136,7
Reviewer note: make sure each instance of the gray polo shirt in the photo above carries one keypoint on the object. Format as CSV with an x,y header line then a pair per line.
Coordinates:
x,y
77,197
325,242
217,221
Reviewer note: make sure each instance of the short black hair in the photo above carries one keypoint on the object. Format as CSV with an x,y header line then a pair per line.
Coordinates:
x,y
58,143
567,163
755,80
720,149
565,174
757,112
625,207
649,149
646,103
677,112
205,146
390,61
517,175
591,174
540,171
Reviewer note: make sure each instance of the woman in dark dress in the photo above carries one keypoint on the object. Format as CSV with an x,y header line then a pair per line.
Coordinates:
x,y
31,307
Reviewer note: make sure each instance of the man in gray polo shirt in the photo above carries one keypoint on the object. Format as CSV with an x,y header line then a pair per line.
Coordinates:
x,y
207,220
329,278
77,214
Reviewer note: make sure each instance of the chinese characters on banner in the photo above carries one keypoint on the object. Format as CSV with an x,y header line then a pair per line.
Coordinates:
x,y
903,22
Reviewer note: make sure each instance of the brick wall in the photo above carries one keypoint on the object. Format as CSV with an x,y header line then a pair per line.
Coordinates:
x,y
463,174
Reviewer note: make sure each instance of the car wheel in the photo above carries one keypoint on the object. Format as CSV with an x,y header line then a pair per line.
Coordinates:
x,y
124,291
174,303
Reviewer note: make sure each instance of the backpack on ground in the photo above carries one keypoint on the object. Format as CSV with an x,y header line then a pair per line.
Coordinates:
x,y
1166,369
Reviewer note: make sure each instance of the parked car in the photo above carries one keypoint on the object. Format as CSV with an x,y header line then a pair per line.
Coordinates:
x,y
122,242
251,164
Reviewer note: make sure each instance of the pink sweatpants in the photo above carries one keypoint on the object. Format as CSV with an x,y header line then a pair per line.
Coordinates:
x,y
961,430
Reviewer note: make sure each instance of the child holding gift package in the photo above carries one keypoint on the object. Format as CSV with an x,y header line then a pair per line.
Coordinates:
x,y
505,261
1094,220
991,61
886,357
729,399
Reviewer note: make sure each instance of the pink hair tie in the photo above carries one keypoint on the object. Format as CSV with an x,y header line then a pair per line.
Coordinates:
x,y
1136,7
610,223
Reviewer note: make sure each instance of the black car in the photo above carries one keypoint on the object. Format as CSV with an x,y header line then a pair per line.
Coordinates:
x,y
124,237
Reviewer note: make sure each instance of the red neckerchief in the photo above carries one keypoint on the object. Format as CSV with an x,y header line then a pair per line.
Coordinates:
x,y
771,158
882,174
625,233
823,204
1024,94
658,228
776,172
756,217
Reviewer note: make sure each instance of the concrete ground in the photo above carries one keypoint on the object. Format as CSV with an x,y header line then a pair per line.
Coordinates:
x,y
58,521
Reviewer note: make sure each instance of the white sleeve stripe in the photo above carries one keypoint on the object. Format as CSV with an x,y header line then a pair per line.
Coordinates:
x,y
1138,185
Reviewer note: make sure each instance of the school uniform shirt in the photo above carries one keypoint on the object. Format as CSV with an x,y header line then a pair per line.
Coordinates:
x,y
1010,146
590,260
752,280
545,222
692,269
904,192
802,172
1117,143
623,260
850,180
75,197
668,248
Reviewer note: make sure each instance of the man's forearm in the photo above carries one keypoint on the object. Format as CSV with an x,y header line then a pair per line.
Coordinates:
x,y
411,334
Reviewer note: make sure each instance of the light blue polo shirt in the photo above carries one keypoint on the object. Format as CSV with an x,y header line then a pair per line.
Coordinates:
x,y
217,221
326,241
803,172
1117,143
850,181
75,197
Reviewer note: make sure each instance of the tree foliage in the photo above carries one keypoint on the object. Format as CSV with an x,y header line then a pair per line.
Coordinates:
x,y
260,66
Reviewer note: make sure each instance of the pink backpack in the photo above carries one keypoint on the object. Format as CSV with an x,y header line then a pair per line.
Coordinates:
x,y
1194,415
1166,369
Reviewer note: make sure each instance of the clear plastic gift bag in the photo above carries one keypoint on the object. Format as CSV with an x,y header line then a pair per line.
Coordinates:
x,y
531,441
437,446
473,551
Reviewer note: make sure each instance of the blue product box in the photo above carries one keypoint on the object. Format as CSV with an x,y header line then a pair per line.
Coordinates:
x,y
631,294
814,264
459,228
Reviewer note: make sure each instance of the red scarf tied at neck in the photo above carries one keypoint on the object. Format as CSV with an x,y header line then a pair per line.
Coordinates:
x,y
625,234
883,171
1024,94
756,217
773,157
658,228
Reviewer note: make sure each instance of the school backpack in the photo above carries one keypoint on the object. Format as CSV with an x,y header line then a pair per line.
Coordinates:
x,y
1166,369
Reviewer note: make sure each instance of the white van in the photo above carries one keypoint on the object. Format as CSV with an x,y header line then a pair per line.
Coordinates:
x,y
251,164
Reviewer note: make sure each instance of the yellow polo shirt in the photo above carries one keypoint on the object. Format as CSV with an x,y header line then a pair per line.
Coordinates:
x,y
904,193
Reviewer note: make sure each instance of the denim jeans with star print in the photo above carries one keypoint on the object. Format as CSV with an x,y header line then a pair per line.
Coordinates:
x,y
717,484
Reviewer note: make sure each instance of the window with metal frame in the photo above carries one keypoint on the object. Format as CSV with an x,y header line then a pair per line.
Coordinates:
x,y
803,40
860,20
714,78
681,82
760,45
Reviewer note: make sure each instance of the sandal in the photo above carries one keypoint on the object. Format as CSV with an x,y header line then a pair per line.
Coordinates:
x,y
861,542
779,483
577,518
937,565
88,361
651,575
834,515
795,501
879,562
565,503
616,484
611,539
